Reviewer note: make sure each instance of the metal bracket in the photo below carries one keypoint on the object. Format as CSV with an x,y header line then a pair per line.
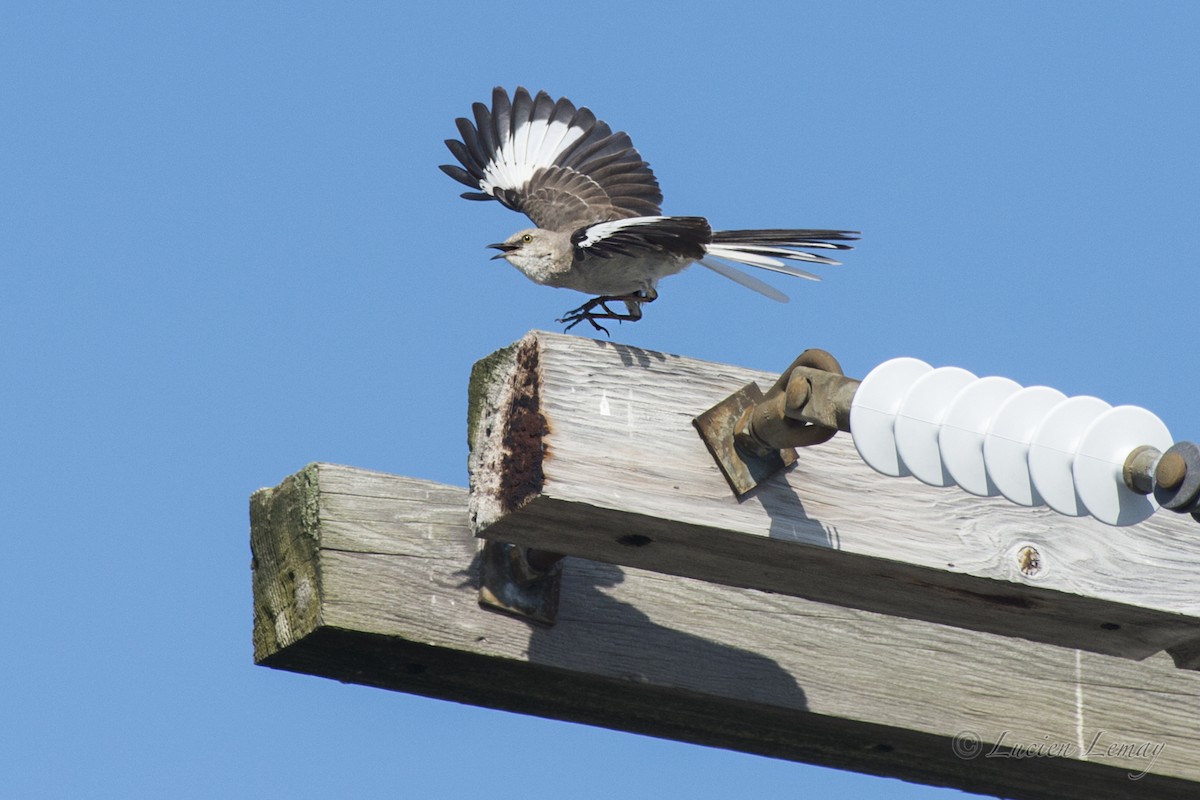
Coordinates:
x,y
752,435
718,427
520,581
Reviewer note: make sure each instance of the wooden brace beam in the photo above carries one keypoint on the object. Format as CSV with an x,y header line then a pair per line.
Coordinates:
x,y
373,579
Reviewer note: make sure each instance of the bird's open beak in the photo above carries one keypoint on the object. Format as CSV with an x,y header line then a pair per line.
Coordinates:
x,y
503,247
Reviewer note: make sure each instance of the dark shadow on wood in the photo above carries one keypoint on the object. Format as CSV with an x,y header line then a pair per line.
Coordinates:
x,y
583,638
791,523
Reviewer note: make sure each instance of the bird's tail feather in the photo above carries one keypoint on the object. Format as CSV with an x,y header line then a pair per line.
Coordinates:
x,y
771,249
749,281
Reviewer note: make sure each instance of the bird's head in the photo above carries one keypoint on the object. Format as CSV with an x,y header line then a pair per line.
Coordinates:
x,y
533,251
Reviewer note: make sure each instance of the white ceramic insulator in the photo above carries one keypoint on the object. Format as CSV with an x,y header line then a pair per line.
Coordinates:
x,y
873,412
961,437
1100,461
1052,452
1006,443
919,421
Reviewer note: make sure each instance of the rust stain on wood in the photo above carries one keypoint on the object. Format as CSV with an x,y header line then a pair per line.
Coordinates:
x,y
523,436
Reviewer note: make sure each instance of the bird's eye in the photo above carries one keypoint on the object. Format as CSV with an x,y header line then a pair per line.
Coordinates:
x,y
527,238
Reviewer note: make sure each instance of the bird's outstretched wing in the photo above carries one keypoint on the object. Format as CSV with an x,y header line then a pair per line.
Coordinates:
x,y
558,165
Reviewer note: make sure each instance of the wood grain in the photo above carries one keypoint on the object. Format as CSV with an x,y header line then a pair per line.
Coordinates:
x,y
586,447
372,578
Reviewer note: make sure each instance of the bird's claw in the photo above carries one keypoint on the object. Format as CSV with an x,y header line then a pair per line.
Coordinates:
x,y
585,312
572,319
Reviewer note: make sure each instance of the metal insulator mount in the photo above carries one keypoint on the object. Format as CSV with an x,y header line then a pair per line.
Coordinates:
x,y
990,436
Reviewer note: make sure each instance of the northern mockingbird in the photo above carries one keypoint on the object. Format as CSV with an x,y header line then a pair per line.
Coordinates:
x,y
596,205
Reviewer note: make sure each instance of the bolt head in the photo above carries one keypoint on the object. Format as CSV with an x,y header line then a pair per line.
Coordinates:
x,y
1172,469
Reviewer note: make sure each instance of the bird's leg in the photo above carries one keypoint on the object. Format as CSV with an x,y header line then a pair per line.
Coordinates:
x,y
633,305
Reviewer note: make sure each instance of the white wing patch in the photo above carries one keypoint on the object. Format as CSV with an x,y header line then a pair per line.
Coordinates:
x,y
536,144
555,140
602,230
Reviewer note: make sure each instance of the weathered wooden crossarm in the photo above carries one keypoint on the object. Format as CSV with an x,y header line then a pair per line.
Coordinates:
x,y
373,579
586,447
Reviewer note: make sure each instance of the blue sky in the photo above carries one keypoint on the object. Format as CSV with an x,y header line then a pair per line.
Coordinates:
x,y
226,251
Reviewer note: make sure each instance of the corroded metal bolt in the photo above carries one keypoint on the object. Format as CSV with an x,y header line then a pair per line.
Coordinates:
x,y
529,564
797,394
1138,472
1177,478
1171,470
